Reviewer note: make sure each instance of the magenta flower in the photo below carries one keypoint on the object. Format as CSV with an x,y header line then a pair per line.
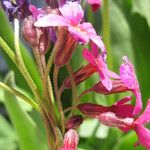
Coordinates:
x,y
120,109
97,60
95,4
70,140
71,17
127,75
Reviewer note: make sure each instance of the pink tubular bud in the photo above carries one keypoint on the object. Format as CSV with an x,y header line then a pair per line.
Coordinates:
x,y
65,51
74,122
92,109
70,140
117,87
80,75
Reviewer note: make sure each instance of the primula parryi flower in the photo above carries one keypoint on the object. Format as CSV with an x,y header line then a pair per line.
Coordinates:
x,y
71,17
19,10
97,60
127,75
71,139
95,4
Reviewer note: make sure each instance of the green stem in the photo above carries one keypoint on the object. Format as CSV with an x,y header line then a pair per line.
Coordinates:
x,y
106,30
73,83
19,94
58,100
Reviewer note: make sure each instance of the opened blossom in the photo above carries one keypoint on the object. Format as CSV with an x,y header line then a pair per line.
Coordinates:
x,y
71,17
97,60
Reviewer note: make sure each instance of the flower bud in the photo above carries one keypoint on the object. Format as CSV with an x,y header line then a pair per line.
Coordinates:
x,y
95,4
80,75
65,51
74,122
70,140
29,31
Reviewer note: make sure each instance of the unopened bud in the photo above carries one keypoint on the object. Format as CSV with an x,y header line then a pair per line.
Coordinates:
x,y
29,31
70,140
80,75
74,122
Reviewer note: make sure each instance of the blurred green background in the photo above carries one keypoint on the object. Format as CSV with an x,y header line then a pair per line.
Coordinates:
x,y
21,127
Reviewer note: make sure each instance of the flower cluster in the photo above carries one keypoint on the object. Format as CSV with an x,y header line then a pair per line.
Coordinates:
x,y
64,25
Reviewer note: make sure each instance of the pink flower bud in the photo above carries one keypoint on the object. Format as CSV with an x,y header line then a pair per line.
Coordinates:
x,y
74,122
70,140
95,4
80,75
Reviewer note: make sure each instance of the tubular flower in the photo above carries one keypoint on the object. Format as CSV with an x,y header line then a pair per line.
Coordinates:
x,y
71,17
80,75
97,60
95,4
70,140
19,10
127,75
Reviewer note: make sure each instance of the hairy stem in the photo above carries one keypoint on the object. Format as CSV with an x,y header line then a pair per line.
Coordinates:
x,y
58,100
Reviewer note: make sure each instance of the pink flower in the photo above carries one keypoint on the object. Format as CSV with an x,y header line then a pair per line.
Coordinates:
x,y
95,4
97,60
127,75
71,17
120,109
70,140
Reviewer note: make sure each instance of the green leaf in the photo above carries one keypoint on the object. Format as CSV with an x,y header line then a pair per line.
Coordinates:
x,y
143,8
127,142
26,129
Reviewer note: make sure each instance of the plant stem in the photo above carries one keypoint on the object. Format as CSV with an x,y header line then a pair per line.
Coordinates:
x,y
58,100
73,83
106,30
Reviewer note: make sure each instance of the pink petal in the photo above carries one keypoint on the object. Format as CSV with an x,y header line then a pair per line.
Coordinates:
x,y
113,75
88,56
145,117
138,105
36,12
105,80
98,41
70,140
95,50
73,12
128,76
79,34
123,101
143,135
51,20
123,110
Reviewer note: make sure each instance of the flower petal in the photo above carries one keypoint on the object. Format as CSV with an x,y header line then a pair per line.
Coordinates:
x,y
88,56
51,20
145,117
143,135
73,12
